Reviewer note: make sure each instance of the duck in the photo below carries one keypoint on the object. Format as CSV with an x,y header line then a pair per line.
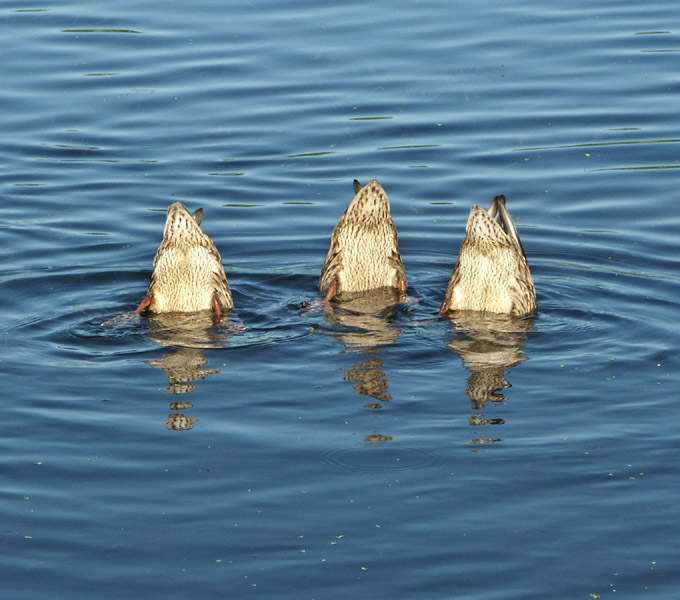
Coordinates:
x,y
188,275
364,249
492,273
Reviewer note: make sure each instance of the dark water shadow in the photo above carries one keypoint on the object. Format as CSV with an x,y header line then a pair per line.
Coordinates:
x,y
489,345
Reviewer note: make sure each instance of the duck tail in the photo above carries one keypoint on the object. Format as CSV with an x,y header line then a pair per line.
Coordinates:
x,y
499,213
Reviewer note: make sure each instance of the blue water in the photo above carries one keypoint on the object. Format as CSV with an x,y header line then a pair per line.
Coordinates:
x,y
360,453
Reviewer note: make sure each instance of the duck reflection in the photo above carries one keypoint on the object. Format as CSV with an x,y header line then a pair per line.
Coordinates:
x,y
190,330
189,335
182,368
370,380
363,324
488,344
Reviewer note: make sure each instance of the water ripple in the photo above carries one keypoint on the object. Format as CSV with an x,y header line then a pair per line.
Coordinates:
x,y
379,454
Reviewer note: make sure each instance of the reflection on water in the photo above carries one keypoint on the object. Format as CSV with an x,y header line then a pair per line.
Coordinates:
x,y
191,330
363,323
376,438
489,345
370,380
182,367
365,318
179,422
190,334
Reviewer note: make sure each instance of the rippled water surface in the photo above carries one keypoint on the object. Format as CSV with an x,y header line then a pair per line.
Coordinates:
x,y
368,451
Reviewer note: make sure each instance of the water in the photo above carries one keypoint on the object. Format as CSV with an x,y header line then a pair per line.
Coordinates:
x,y
365,453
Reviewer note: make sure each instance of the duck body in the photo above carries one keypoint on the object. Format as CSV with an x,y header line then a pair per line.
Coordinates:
x,y
492,273
364,249
188,275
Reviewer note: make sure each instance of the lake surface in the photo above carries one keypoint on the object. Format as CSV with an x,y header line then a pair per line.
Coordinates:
x,y
357,453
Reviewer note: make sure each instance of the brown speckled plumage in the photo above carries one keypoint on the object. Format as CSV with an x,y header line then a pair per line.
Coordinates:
x,y
364,251
187,272
492,273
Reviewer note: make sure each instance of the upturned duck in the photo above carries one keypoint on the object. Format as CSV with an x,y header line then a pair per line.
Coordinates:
x,y
364,251
492,273
187,272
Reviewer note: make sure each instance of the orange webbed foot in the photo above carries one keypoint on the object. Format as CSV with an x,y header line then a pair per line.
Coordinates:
x,y
217,307
402,290
333,290
143,304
